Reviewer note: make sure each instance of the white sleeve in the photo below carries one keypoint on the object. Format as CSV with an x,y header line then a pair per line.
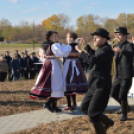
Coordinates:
x,y
61,50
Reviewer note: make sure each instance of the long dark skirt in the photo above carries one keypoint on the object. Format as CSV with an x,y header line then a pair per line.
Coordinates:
x,y
42,89
79,84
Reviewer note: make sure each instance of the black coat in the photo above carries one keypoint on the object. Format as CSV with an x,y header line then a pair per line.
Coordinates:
x,y
99,81
31,64
100,60
8,59
124,60
15,66
23,63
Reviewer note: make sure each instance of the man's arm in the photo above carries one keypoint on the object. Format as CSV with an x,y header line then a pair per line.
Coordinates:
x,y
89,50
101,58
130,51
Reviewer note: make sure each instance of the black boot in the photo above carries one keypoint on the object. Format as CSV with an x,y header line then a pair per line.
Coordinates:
x,y
54,106
106,121
99,129
124,110
119,110
48,104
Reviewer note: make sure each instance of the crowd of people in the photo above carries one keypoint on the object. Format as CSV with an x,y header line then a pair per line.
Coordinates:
x,y
20,65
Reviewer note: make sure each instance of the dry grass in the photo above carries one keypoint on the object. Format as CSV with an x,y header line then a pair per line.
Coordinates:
x,y
14,98
81,125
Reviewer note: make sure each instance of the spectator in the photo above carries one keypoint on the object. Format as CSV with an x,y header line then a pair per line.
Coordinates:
x,y
26,52
32,66
23,65
36,61
27,69
9,59
3,69
15,68
16,52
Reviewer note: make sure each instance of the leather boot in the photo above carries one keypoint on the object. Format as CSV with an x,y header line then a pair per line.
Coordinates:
x,y
48,104
119,110
54,106
99,129
124,110
106,121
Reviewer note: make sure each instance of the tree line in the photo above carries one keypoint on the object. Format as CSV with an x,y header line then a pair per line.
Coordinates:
x,y
85,25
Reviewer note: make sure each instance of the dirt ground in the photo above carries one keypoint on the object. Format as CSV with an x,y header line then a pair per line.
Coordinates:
x,y
81,125
14,98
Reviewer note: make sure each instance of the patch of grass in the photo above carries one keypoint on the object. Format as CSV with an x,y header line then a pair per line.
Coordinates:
x,y
19,47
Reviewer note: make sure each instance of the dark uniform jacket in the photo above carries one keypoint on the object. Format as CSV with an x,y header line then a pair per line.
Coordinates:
x,y
15,66
31,64
8,59
124,60
100,60
23,63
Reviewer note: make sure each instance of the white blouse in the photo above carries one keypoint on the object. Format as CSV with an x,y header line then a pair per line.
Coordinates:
x,y
60,50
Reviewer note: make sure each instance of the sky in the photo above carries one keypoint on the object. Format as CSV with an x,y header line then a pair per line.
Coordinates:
x,y
17,11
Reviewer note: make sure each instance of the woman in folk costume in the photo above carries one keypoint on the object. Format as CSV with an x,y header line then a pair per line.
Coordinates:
x,y
74,79
49,82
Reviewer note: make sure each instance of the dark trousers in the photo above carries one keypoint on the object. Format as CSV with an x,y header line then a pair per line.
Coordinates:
x,y
24,73
3,76
9,74
32,74
94,103
120,88
16,76
69,99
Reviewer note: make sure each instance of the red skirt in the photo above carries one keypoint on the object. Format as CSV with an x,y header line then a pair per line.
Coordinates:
x,y
42,89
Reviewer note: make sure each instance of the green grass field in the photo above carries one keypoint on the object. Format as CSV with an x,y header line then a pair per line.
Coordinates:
x,y
19,47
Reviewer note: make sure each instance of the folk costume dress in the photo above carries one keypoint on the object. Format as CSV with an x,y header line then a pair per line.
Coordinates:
x,y
50,81
74,79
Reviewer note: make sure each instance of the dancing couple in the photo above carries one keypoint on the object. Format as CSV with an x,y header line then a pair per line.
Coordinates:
x,y
55,79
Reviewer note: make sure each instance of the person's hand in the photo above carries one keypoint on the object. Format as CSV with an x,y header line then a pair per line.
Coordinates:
x,y
83,41
117,49
78,48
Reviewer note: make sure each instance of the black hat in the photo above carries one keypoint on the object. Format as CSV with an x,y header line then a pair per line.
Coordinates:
x,y
121,30
102,32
